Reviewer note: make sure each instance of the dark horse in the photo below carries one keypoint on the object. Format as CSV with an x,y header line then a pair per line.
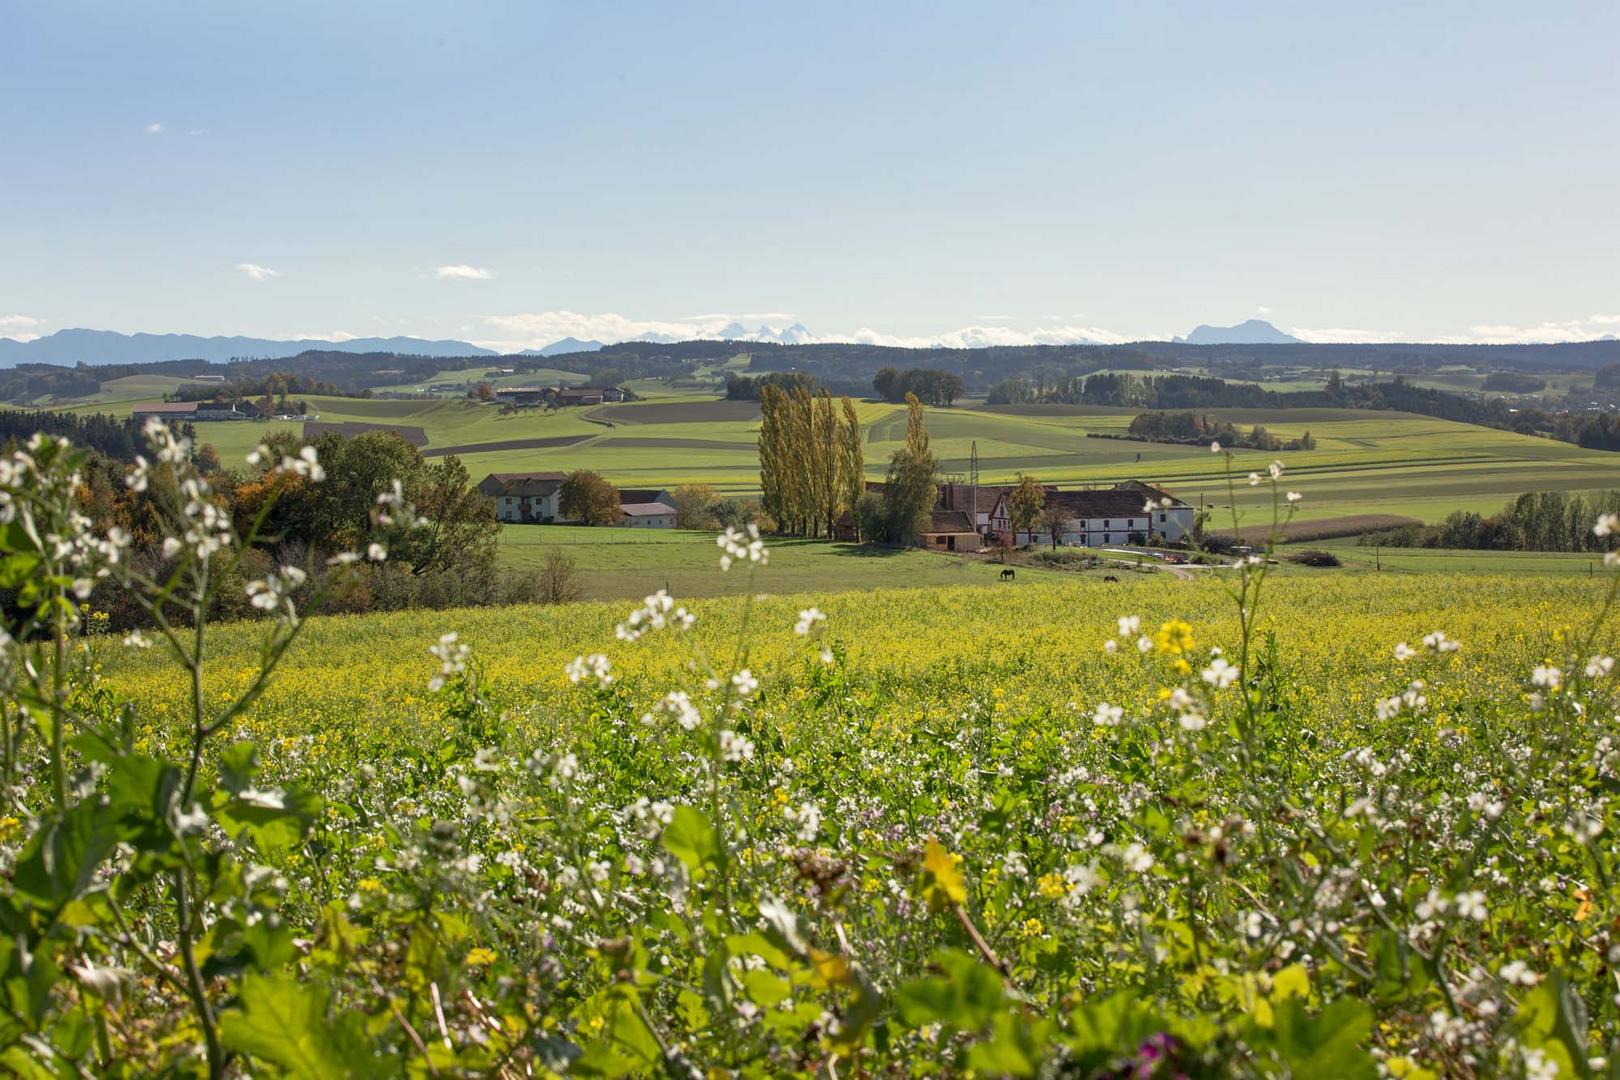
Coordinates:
x,y
1007,574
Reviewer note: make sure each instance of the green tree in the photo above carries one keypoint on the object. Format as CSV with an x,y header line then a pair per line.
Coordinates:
x,y
911,487
586,496
457,525
1025,503
694,506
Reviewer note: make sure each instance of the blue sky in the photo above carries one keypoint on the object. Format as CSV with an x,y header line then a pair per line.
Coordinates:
x,y
884,171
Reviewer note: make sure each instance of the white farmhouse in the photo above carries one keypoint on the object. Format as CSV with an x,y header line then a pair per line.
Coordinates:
x,y
1117,515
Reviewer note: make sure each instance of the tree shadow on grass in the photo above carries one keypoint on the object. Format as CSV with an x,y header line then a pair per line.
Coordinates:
x,y
869,551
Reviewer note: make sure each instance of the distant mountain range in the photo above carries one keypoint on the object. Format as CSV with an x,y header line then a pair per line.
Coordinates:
x,y
566,345
1249,332
109,347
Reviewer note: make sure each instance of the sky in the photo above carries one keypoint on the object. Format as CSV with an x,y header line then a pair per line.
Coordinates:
x,y
901,172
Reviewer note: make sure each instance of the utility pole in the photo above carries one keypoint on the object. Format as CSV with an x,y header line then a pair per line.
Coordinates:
x,y
973,485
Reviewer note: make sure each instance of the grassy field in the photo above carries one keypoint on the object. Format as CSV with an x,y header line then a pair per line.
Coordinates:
x,y
1363,463
630,563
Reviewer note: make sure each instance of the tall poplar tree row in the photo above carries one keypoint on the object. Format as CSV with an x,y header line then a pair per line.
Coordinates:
x,y
809,459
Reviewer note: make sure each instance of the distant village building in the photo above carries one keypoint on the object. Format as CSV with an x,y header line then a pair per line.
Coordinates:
x,y
586,395
190,410
982,497
633,496
529,497
534,498
647,515
559,395
1117,515
950,530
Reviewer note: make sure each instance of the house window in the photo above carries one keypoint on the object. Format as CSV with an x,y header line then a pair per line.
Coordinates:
x,y
1161,517
1107,539
1106,523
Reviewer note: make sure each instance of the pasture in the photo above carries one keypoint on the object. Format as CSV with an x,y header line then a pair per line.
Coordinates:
x,y
1364,462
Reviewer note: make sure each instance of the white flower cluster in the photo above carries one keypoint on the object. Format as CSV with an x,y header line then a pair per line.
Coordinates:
x,y
742,546
735,747
1130,625
1437,642
275,590
1411,699
594,668
806,820
677,705
452,655
1220,674
809,620
655,613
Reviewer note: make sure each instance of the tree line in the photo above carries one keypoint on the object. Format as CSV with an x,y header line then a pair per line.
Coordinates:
x,y
1535,521
115,437
811,465
1201,428
930,386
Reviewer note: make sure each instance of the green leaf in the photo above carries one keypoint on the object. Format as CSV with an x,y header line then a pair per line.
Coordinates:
x,y
273,827
690,838
238,765
1552,1019
967,996
1325,1045
60,859
283,1022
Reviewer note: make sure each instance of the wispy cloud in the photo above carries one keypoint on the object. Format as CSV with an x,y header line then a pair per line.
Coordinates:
x,y
257,272
155,129
1263,309
463,272
1344,335
18,327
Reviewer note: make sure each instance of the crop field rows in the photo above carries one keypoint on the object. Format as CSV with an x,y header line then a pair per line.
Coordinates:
x,y
1384,463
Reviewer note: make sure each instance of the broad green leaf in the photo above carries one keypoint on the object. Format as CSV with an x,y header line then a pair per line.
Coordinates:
x,y
690,838
60,859
283,1022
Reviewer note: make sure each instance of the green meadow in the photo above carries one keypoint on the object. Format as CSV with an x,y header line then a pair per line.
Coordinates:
x,y
1363,463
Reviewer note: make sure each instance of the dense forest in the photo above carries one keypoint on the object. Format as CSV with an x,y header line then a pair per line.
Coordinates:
x,y
110,436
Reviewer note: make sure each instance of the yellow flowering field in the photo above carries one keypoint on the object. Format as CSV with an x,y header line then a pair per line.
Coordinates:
x,y
1253,823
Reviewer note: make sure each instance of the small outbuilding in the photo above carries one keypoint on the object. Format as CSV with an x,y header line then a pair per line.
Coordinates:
x,y
949,530
647,515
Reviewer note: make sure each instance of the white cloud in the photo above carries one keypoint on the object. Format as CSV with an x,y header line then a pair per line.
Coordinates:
x,y
463,272
1342,335
257,272
538,329
1588,329
18,327
154,129
1263,309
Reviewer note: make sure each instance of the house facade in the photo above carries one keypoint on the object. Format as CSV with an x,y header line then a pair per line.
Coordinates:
x,y
1117,515
524,497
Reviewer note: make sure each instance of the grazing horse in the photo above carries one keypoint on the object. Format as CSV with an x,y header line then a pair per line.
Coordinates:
x,y
1007,574
1110,577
